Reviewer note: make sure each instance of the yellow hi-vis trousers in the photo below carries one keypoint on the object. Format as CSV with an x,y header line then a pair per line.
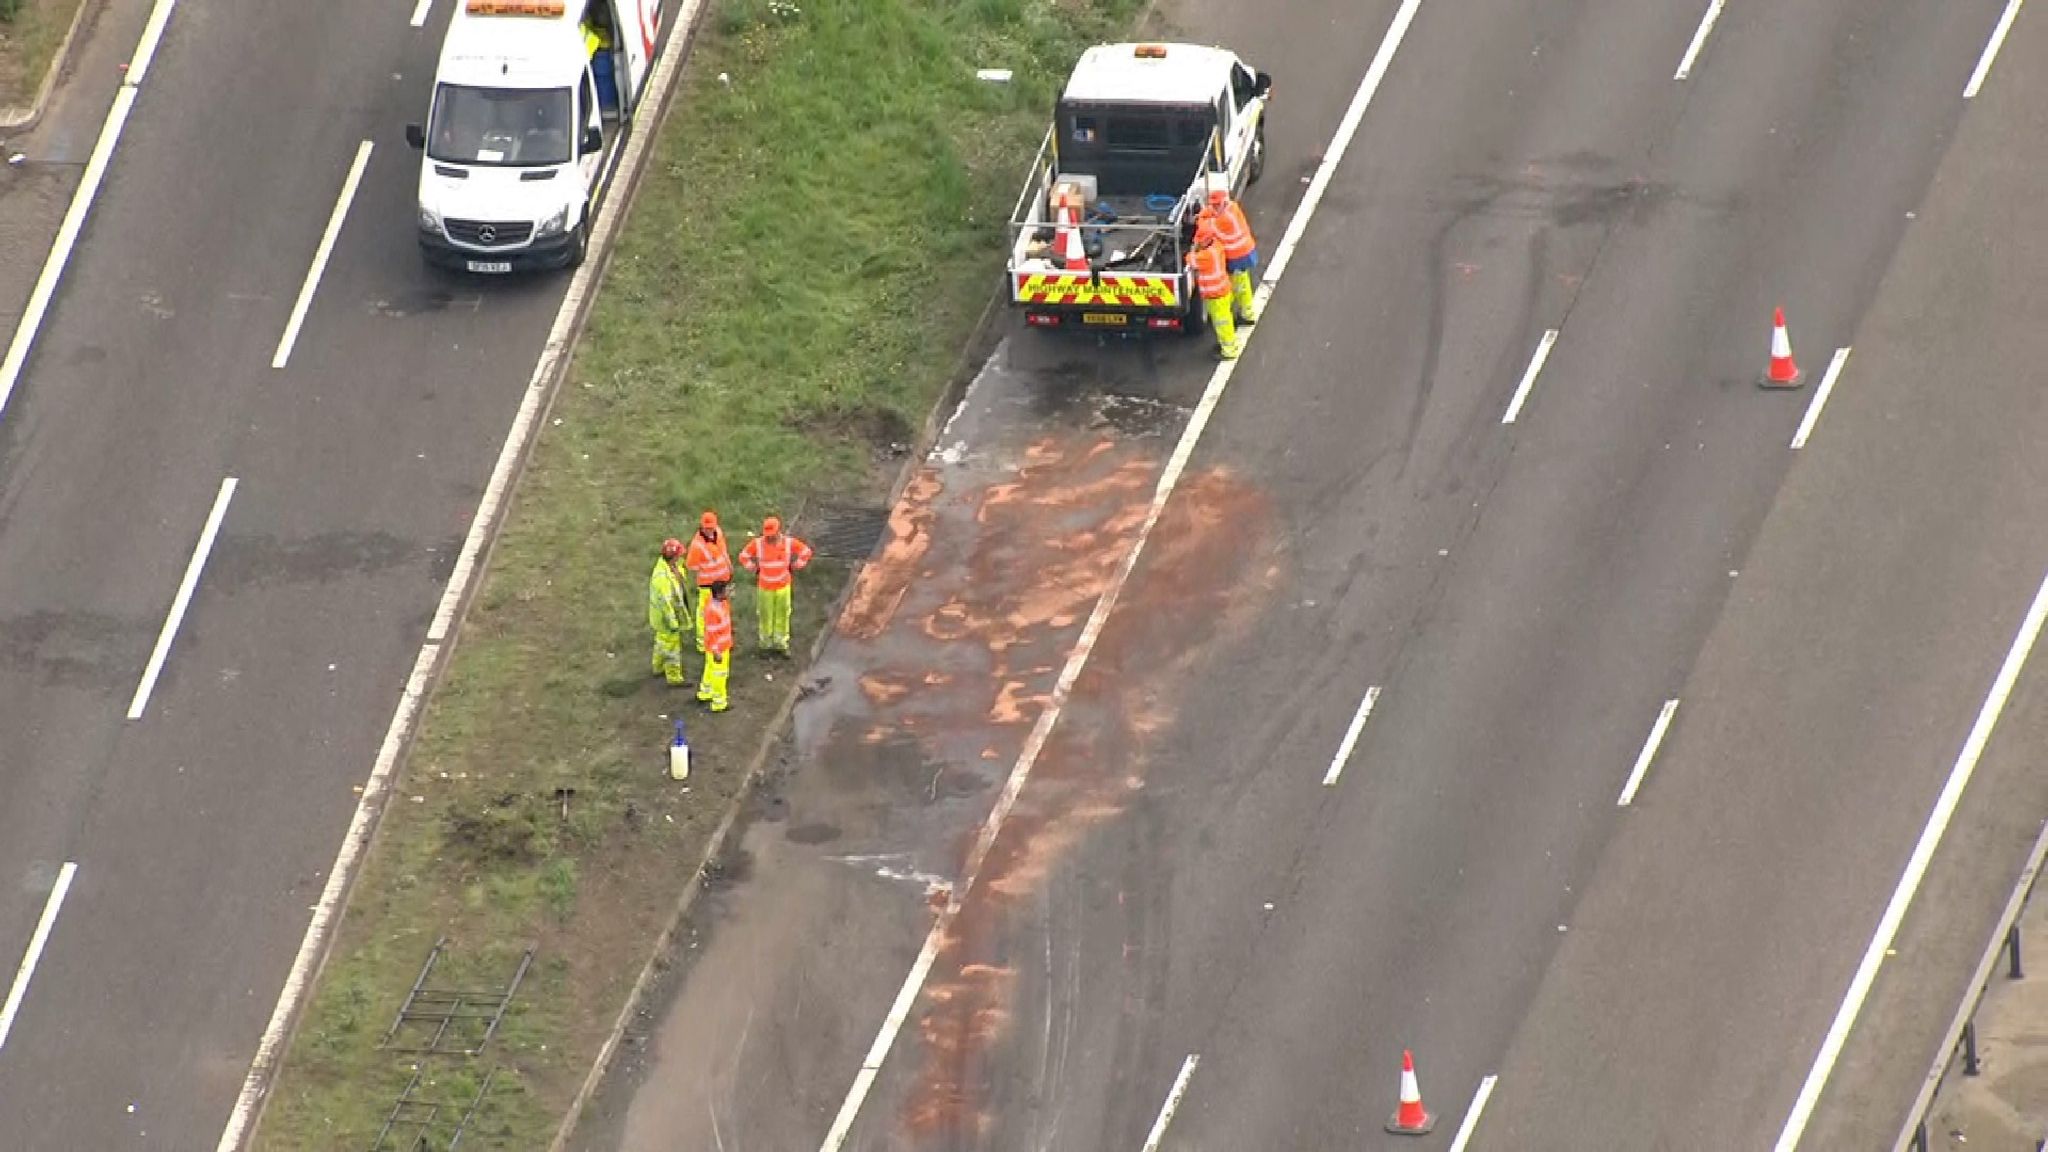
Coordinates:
x,y
703,598
1226,329
1247,303
773,604
711,687
668,656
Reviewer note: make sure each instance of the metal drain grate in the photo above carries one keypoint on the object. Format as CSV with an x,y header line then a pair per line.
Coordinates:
x,y
849,534
461,1021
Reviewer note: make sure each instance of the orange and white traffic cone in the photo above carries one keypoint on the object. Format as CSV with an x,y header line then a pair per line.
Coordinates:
x,y
1783,372
1411,1118
1072,256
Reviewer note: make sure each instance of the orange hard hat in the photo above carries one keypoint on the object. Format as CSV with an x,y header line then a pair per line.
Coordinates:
x,y
710,520
771,525
671,548
1218,195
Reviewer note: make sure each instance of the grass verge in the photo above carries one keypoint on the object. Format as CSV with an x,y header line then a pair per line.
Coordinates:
x,y
30,33
817,231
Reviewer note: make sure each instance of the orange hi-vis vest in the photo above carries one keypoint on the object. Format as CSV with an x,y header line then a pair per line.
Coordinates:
x,y
718,626
774,560
1212,279
709,562
1232,230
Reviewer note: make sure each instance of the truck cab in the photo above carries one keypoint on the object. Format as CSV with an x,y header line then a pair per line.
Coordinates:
x,y
1138,134
531,101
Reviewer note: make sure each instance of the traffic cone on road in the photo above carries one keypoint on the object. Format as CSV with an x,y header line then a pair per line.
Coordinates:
x,y
1411,1118
1783,372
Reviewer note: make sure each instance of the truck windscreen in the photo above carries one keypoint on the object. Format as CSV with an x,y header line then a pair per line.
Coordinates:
x,y
1135,150
520,127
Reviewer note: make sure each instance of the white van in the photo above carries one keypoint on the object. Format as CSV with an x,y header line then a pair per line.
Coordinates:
x,y
531,101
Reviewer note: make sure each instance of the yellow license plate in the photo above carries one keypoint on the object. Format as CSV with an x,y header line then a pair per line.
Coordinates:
x,y
1113,319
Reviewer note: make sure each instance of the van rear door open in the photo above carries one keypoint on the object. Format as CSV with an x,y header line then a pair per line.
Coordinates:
x,y
530,103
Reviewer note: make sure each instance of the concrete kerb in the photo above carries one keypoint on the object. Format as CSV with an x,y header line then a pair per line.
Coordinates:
x,y
972,354
684,36
19,119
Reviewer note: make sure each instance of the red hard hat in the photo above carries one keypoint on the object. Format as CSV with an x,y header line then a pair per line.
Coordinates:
x,y
771,525
671,548
710,520
1218,195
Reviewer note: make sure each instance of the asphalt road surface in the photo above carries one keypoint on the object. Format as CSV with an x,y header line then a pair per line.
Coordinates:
x,y
1228,895
200,829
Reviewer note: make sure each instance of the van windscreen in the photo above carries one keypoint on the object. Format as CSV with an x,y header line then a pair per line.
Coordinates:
x,y
517,127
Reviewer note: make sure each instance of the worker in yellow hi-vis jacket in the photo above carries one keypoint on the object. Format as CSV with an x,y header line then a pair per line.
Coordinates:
x,y
668,611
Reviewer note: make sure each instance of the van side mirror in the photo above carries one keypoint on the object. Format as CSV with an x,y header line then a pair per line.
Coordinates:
x,y
415,136
593,140
1262,83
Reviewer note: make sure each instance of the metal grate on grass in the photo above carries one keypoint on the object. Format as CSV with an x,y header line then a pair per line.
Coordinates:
x,y
424,1120
451,1021
847,533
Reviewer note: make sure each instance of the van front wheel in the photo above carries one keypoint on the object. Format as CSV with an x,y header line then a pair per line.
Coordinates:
x,y
580,247
1257,165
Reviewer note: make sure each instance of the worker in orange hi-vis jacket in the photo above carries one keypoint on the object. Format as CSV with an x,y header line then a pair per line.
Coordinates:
x,y
709,563
1214,284
774,558
1227,221
716,620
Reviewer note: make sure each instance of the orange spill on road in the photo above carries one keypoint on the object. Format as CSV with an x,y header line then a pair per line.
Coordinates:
x,y
1004,570
1207,565
886,578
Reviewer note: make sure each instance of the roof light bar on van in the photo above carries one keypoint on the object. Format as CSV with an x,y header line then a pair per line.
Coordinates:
x,y
1150,51
517,7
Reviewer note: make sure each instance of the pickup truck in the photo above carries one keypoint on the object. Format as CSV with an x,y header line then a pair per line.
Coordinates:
x,y
1139,133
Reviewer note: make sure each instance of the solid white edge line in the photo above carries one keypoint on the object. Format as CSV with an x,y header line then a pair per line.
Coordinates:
x,y
145,48
270,1047
45,290
1472,1114
1820,399
1528,383
1172,1105
1916,869
321,255
59,256
36,943
1219,380
419,14
1699,40
1649,752
182,600
1351,734
2012,11
1340,141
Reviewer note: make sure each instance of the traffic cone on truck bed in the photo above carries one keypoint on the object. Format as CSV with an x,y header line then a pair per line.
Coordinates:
x,y
1783,372
1411,1118
1066,208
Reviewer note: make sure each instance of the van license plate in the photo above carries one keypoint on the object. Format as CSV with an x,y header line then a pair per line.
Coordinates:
x,y
490,265
1113,319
